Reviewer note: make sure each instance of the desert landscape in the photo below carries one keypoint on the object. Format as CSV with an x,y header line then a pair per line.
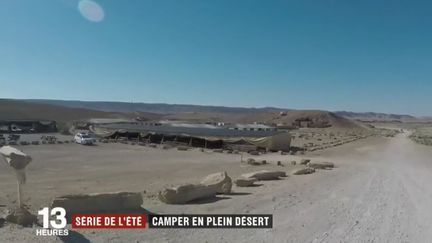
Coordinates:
x,y
215,121
372,187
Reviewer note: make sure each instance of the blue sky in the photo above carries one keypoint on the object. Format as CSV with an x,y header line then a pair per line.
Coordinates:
x,y
305,54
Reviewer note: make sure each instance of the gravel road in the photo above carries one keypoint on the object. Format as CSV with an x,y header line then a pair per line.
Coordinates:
x,y
380,193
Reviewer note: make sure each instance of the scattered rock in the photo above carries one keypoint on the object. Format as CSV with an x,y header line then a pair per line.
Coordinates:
x,y
35,142
166,146
244,182
186,193
265,175
254,153
21,216
304,161
303,171
251,161
293,162
220,181
279,163
321,165
264,162
182,148
218,150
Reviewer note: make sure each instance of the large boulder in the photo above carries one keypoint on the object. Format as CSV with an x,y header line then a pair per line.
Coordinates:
x,y
244,182
263,175
303,171
99,202
186,193
220,181
321,165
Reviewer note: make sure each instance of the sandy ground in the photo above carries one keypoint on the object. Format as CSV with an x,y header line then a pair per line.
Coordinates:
x,y
379,191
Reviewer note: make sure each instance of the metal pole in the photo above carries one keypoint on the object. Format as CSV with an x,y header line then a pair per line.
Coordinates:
x,y
20,204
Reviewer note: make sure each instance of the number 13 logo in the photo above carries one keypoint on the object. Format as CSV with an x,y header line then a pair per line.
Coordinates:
x,y
60,217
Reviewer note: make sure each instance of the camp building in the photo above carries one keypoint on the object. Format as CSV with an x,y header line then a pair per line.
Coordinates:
x,y
238,136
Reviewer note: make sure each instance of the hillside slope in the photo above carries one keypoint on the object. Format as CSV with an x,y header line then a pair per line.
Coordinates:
x,y
73,110
113,106
373,116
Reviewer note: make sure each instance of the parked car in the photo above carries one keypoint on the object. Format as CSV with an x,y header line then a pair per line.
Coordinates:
x,y
84,138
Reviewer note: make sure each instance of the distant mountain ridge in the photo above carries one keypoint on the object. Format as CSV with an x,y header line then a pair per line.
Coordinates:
x,y
22,110
373,116
202,114
112,106
62,110
162,108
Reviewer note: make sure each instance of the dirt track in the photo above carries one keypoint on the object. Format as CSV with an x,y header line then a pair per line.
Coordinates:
x,y
380,192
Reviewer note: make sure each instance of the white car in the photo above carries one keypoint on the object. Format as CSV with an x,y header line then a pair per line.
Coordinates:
x,y
85,139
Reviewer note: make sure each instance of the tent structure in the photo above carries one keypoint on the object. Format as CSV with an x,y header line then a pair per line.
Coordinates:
x,y
199,136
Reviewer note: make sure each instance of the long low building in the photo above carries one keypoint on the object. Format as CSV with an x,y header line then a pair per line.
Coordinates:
x,y
201,135
27,126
